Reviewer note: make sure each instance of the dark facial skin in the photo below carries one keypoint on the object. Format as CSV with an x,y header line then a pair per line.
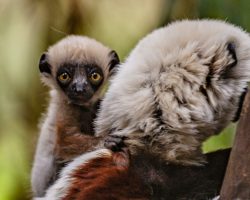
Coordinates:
x,y
79,81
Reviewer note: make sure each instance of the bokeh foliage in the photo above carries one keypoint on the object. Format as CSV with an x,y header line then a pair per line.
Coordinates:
x,y
28,27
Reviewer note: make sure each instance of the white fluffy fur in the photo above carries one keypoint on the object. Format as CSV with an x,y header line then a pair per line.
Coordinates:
x,y
72,49
60,188
44,159
164,74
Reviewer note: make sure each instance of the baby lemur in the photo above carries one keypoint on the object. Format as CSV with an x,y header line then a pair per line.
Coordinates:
x,y
76,70
181,84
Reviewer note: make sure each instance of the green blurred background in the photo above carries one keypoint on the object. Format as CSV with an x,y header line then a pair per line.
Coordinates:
x,y
28,27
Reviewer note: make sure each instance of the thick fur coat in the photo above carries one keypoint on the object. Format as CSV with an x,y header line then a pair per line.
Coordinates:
x,y
107,175
181,84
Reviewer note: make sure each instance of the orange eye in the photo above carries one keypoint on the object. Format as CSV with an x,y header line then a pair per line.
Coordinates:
x,y
95,78
64,77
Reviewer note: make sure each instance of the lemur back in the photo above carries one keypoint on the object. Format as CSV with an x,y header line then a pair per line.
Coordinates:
x,y
181,84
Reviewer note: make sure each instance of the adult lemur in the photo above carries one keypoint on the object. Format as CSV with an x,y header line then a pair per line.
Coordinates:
x,y
181,84
76,69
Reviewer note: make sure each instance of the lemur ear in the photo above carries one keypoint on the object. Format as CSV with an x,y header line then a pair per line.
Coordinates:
x,y
224,61
227,71
44,66
232,51
114,62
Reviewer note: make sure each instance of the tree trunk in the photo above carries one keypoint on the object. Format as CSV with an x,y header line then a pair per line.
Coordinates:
x,y
236,183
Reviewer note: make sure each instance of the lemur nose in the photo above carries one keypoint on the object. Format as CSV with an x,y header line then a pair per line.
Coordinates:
x,y
78,87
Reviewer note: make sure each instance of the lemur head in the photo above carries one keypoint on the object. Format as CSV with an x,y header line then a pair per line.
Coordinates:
x,y
78,67
182,80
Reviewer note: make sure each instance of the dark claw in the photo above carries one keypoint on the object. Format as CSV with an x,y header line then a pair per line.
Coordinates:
x,y
242,97
114,142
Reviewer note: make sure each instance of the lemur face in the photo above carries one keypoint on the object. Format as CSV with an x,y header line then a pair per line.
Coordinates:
x,y
79,82
77,67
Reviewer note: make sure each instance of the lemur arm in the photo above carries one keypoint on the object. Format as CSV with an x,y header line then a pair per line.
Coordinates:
x,y
44,163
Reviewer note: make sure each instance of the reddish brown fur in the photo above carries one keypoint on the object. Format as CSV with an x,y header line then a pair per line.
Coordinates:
x,y
118,177
75,134
107,178
71,142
